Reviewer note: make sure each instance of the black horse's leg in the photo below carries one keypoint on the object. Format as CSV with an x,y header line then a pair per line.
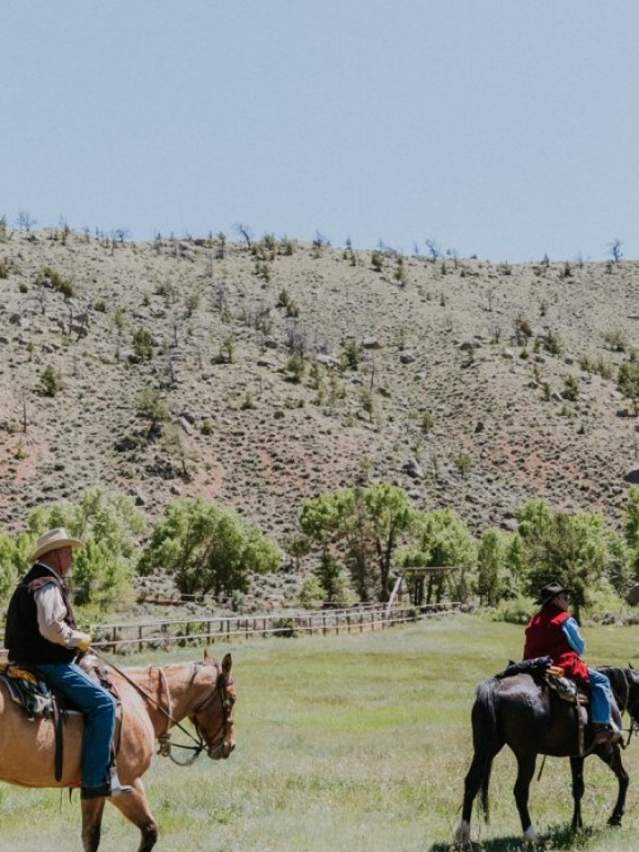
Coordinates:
x,y
577,769
613,758
476,775
526,770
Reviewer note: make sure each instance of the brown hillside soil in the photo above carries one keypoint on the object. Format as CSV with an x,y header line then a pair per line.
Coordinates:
x,y
443,343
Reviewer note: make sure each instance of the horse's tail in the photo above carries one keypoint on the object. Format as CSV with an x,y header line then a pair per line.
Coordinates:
x,y
485,736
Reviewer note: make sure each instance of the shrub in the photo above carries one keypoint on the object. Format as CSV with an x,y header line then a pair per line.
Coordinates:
x,y
516,610
616,340
351,354
51,381
628,382
143,344
226,355
571,388
56,282
248,401
552,343
312,594
463,463
427,422
152,407
296,367
206,548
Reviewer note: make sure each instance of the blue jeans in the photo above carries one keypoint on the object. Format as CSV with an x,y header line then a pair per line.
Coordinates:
x,y
98,709
600,697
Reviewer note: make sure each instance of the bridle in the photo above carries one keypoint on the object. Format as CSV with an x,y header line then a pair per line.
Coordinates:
x,y
165,745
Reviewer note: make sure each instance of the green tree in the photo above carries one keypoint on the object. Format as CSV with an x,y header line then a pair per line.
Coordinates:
x,y
14,560
361,529
440,538
491,563
207,549
109,526
574,549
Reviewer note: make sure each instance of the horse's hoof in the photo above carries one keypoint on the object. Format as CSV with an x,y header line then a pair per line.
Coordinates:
x,y
462,839
614,821
532,840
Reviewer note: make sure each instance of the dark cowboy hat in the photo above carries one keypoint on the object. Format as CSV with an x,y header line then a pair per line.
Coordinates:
x,y
550,591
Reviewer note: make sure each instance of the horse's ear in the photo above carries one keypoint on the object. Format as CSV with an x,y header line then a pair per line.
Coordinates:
x,y
207,659
630,666
227,662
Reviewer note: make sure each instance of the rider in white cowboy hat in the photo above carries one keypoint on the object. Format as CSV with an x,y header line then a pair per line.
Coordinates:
x,y
41,634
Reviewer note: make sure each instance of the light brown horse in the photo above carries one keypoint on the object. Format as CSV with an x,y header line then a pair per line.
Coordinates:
x,y
202,692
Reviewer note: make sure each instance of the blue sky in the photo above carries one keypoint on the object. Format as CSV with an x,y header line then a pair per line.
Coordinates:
x,y
497,127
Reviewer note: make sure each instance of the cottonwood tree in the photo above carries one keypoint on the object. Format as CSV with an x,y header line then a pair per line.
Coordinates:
x,y
208,549
361,529
109,526
575,549
440,538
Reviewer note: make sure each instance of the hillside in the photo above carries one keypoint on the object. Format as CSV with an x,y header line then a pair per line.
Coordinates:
x,y
442,402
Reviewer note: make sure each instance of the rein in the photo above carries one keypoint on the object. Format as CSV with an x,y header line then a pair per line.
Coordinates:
x,y
164,740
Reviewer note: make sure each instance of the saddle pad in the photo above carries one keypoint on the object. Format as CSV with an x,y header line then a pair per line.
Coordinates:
x,y
32,694
566,689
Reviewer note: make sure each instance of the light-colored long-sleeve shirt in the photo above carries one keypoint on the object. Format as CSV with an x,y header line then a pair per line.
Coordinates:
x,y
51,612
573,635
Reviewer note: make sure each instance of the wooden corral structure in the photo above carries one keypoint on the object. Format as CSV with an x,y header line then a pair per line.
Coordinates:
x,y
427,582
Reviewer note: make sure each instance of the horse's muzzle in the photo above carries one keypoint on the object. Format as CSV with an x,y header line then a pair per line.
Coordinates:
x,y
221,751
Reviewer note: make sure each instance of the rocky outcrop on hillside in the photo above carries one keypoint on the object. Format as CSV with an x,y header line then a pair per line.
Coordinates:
x,y
279,375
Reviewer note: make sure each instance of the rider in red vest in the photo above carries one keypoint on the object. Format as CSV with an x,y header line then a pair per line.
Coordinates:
x,y
554,632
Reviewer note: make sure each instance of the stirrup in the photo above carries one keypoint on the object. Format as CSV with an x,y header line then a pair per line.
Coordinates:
x,y
116,788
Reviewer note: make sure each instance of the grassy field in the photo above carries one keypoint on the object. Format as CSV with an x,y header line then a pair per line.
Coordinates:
x,y
357,743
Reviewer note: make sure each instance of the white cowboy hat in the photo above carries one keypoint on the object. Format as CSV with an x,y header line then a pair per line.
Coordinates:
x,y
54,540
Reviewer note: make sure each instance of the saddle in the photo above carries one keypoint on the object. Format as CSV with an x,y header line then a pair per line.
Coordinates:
x,y
566,689
41,702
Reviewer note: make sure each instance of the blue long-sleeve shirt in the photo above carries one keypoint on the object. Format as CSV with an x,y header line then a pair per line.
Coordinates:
x,y
573,635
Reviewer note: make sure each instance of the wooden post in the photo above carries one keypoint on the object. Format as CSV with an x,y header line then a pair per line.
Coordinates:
x,y
348,623
323,624
140,643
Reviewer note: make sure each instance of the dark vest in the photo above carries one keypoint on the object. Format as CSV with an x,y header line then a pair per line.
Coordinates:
x,y
22,636
545,636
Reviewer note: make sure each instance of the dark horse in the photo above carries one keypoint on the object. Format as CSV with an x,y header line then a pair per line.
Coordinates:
x,y
523,713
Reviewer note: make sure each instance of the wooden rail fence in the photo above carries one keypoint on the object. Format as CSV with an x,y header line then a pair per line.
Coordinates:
x,y
167,633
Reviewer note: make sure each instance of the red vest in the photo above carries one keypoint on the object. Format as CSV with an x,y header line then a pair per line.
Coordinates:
x,y
545,636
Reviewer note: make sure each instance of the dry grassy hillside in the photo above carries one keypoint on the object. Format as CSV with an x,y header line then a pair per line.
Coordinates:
x,y
442,402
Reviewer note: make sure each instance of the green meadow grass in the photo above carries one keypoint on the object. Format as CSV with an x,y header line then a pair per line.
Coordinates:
x,y
354,742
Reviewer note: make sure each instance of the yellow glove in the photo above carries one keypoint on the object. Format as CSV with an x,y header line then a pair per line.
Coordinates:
x,y
85,643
